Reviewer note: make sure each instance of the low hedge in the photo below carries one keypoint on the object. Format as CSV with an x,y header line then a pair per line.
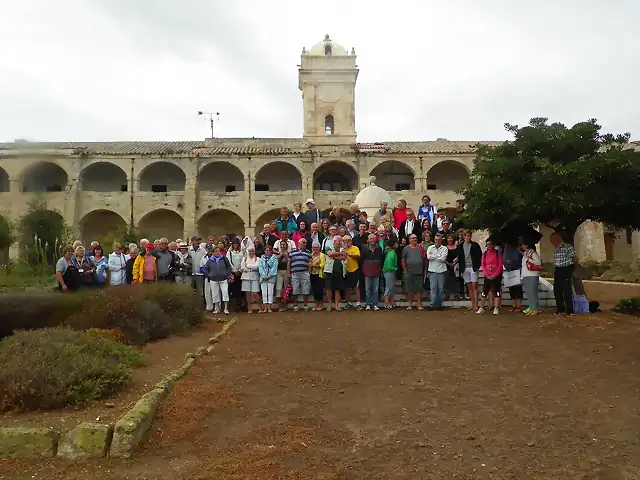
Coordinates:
x,y
55,367
628,305
141,312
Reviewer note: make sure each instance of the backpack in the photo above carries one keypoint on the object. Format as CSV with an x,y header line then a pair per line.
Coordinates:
x,y
286,294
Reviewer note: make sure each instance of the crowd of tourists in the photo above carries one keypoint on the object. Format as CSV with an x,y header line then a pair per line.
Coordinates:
x,y
329,261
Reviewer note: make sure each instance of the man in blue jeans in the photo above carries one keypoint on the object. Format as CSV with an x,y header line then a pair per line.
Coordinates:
x,y
371,257
437,256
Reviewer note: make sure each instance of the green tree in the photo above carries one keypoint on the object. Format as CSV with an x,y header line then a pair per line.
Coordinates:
x,y
556,176
42,233
6,238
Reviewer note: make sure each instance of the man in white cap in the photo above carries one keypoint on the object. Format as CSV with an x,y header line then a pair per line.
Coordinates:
x,y
312,215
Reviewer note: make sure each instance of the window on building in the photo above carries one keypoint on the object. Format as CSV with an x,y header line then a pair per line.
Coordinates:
x,y
328,125
432,186
159,188
327,49
262,187
230,188
402,186
123,188
54,188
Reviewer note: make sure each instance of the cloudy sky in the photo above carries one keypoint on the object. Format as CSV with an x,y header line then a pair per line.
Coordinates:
x,y
91,70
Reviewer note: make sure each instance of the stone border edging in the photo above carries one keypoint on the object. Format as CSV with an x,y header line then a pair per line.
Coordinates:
x,y
97,440
131,428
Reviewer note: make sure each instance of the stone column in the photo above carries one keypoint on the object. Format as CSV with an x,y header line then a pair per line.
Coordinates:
x,y
421,184
190,201
307,188
70,212
635,246
589,242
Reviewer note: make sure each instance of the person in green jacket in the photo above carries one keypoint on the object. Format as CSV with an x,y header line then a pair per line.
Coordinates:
x,y
389,267
286,221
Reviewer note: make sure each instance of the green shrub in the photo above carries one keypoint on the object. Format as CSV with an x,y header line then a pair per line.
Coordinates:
x,y
628,305
140,312
54,367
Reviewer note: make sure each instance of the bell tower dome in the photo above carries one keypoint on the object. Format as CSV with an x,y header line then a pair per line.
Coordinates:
x,y
327,78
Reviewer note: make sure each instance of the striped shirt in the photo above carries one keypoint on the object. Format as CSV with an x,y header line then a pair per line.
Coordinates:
x,y
299,260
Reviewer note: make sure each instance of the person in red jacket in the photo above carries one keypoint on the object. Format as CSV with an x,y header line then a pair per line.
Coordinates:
x,y
492,269
400,213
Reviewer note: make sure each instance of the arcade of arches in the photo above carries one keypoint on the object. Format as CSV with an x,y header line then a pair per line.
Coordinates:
x,y
220,177
219,223
162,223
103,177
335,177
44,177
101,224
162,177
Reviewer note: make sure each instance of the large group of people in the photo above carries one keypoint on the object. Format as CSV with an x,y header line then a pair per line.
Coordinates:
x,y
325,262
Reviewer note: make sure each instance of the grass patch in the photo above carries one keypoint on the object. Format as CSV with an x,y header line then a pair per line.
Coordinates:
x,y
628,305
55,367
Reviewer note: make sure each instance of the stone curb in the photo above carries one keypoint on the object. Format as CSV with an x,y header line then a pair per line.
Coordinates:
x,y
131,428
25,442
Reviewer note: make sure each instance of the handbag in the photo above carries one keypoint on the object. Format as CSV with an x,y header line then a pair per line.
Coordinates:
x,y
511,278
532,266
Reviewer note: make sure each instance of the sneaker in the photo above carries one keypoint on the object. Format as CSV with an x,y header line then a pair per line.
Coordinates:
x,y
480,311
388,307
527,311
496,311
296,308
306,308
226,311
534,312
376,308
368,308
359,307
348,306
216,311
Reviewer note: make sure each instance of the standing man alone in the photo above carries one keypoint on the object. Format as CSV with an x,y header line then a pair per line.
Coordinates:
x,y
565,260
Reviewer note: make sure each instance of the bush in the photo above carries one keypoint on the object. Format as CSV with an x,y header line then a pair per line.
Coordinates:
x,y
628,305
140,312
54,367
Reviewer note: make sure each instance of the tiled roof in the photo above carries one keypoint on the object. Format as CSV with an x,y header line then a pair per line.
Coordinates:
x,y
429,147
257,146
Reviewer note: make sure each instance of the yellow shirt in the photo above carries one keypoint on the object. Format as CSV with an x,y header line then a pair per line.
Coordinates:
x,y
352,263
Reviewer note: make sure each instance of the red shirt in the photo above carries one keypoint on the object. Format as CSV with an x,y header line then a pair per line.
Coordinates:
x,y
399,216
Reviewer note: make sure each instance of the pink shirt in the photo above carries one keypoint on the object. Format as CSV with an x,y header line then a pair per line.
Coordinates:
x,y
399,216
149,272
492,263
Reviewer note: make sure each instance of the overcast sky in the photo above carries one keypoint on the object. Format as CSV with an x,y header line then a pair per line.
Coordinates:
x,y
92,70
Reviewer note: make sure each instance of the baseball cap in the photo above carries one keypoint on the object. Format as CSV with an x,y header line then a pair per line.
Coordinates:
x,y
209,246
309,200
183,245
195,238
150,245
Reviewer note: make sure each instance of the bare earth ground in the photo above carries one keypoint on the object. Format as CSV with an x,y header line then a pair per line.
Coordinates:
x,y
399,395
163,357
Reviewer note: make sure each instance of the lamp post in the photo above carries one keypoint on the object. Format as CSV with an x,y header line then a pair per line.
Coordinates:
x,y
211,116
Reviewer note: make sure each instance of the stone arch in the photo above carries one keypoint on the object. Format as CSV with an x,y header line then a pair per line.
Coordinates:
x,y
103,177
447,175
44,177
221,222
162,176
278,176
266,217
220,176
394,176
162,223
335,176
5,186
106,226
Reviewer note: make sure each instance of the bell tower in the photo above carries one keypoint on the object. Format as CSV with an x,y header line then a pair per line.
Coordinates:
x,y
327,77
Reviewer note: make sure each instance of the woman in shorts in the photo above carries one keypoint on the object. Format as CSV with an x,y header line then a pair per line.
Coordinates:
x,y
250,278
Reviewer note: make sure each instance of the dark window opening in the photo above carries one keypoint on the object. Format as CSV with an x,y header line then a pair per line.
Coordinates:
x,y
54,188
230,188
403,186
432,186
328,125
327,49
159,188
262,187
123,187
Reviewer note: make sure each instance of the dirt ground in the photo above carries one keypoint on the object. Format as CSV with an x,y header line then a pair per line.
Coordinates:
x,y
396,395
610,293
162,358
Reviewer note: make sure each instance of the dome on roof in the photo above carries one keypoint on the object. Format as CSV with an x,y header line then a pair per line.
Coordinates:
x,y
370,197
327,47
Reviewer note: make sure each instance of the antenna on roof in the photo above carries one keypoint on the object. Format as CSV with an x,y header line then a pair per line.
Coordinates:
x,y
211,116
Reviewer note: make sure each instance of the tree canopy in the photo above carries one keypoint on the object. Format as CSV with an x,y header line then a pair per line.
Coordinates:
x,y
556,176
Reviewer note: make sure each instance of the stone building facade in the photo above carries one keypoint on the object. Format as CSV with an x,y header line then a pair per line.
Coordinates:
x,y
218,186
